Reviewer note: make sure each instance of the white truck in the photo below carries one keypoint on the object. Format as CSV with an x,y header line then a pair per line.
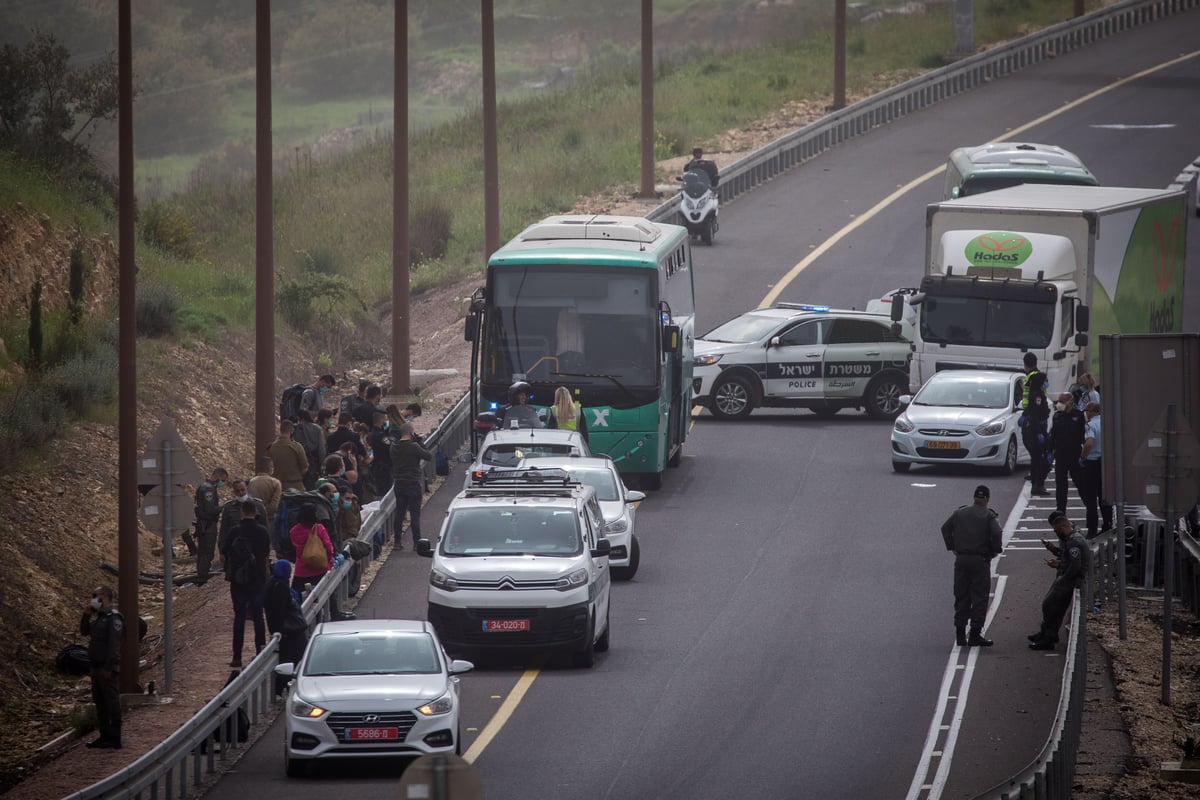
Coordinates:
x,y
1043,269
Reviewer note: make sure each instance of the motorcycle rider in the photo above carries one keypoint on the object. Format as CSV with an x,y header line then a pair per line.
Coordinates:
x,y
518,410
699,162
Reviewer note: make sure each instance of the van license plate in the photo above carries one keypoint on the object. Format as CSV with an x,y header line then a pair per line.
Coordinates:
x,y
936,445
493,625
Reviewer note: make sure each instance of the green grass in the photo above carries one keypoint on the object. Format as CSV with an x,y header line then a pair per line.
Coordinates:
x,y
21,182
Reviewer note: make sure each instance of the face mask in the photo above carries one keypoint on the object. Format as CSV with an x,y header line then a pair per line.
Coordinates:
x,y
1061,406
346,504
335,497
323,390
96,604
220,484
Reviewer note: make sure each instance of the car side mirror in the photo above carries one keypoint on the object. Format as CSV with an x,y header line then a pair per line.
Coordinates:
x,y
602,549
774,342
905,399
634,496
286,670
1082,319
424,548
458,666
1081,340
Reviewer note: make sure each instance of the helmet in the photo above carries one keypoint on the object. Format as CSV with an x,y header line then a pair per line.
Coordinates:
x,y
520,387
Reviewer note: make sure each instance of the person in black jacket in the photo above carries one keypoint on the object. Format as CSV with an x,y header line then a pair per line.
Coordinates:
x,y
408,484
246,555
972,533
208,514
281,603
104,652
1033,432
1066,442
699,162
1071,560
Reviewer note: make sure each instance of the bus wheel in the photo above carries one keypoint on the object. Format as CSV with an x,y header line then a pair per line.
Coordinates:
x,y
674,457
653,481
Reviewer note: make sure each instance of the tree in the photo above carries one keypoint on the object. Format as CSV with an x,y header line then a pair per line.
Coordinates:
x,y
46,105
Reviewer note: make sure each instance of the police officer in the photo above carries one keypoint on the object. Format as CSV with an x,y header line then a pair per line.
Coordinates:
x,y
208,514
104,652
699,162
1071,558
1035,415
518,413
973,534
1066,441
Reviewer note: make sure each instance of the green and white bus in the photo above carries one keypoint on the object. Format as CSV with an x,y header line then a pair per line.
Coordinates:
x,y
604,306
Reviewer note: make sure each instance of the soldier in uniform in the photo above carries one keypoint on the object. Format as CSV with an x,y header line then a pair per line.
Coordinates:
x,y
1066,443
1071,560
208,514
104,652
973,534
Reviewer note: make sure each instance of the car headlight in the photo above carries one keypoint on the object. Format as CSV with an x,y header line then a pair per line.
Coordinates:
x,y
307,710
443,581
991,428
577,578
617,526
902,425
706,361
440,706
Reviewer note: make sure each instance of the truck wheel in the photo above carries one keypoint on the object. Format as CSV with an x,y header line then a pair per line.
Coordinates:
x,y
882,399
732,398
1010,457
901,466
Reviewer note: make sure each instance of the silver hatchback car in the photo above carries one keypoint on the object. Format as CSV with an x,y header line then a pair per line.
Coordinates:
x,y
961,417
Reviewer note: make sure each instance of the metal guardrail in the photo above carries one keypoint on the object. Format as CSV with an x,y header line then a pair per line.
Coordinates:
x,y
927,90
164,771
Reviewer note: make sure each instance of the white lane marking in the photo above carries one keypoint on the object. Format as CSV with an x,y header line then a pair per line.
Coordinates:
x,y
1122,126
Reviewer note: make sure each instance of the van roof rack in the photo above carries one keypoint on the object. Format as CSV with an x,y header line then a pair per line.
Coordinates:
x,y
529,479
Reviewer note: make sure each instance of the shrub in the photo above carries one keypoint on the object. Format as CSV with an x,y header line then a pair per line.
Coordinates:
x,y
88,380
429,230
81,265
320,260
29,416
157,311
170,230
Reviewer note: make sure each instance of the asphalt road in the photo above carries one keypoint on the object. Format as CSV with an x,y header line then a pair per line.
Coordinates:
x,y
789,633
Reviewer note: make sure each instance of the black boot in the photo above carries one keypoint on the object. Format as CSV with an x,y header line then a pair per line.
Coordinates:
x,y
960,635
977,640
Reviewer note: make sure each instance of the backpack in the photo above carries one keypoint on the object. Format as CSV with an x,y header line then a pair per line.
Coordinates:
x,y
73,660
241,561
289,405
289,510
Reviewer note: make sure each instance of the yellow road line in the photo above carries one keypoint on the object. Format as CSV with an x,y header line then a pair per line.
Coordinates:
x,y
824,247
501,716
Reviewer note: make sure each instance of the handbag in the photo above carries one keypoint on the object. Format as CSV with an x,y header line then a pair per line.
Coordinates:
x,y
313,555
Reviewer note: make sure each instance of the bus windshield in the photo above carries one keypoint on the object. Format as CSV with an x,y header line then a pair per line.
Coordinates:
x,y
577,324
990,322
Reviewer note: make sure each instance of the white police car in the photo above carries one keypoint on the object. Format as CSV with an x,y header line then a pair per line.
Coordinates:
x,y
802,356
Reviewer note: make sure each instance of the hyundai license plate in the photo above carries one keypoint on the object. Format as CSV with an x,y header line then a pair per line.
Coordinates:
x,y
933,444
494,625
372,734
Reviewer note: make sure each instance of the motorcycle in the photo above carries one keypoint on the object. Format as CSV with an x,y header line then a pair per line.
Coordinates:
x,y
698,205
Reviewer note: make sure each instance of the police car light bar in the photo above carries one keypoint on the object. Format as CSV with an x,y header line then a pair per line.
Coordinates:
x,y
531,476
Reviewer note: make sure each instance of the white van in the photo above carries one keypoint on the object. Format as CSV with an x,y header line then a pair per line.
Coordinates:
x,y
521,563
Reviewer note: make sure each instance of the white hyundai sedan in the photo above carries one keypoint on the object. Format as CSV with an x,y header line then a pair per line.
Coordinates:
x,y
371,688
962,417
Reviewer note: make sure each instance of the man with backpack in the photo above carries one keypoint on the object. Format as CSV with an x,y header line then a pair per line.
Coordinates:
x,y
246,561
291,464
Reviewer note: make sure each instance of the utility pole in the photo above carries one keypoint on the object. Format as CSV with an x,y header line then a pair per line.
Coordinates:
x,y
491,170
839,55
400,246
264,246
647,190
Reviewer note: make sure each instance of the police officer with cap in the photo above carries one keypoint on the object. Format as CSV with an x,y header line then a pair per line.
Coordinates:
x,y
1071,558
973,534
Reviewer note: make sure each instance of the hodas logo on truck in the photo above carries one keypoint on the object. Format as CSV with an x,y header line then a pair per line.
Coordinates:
x,y
999,248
